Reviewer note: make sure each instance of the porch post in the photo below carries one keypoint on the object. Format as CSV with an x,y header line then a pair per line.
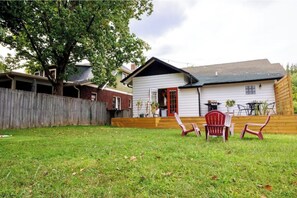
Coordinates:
x,y
199,102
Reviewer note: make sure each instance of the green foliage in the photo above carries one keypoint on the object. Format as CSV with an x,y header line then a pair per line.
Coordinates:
x,y
154,107
294,91
291,69
230,103
125,162
61,33
9,63
139,104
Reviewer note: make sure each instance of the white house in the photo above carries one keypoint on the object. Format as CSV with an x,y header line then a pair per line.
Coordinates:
x,y
189,91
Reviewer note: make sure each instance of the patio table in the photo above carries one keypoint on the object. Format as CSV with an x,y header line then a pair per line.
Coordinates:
x,y
253,106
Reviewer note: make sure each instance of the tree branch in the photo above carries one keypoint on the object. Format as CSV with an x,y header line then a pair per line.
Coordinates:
x,y
48,30
39,58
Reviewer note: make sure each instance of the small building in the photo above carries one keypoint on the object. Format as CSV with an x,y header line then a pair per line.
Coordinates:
x,y
25,82
117,98
80,85
193,91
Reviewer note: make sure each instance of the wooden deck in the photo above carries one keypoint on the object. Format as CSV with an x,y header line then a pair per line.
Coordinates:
x,y
278,123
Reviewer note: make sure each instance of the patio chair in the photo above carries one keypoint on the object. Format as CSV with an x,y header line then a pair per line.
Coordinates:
x,y
241,108
217,125
270,108
254,132
185,131
229,123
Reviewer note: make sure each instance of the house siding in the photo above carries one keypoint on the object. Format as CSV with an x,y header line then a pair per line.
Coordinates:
x,y
106,96
236,91
143,84
188,102
120,86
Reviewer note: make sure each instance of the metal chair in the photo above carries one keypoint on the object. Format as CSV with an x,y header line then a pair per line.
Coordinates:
x,y
241,108
270,108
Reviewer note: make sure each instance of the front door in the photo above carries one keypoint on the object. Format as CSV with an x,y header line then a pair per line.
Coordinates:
x,y
172,101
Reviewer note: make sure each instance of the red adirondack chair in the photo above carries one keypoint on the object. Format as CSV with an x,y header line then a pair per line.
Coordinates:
x,y
257,133
217,124
185,131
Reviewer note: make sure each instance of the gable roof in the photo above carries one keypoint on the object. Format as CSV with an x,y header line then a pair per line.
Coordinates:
x,y
85,73
244,71
151,62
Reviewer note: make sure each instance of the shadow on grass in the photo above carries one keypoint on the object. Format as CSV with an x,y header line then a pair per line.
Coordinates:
x,y
251,139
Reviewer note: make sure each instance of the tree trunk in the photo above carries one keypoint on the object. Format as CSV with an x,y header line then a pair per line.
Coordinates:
x,y
58,88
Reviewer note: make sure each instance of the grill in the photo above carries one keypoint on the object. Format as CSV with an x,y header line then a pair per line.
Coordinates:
x,y
212,105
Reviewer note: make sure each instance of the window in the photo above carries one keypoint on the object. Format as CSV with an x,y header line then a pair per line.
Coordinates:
x,y
116,103
130,103
53,72
39,73
124,75
250,89
153,95
93,96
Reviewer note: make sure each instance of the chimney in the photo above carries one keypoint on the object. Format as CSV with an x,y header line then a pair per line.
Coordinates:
x,y
133,66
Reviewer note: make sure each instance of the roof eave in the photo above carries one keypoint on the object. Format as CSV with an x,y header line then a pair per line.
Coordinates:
x,y
128,79
228,82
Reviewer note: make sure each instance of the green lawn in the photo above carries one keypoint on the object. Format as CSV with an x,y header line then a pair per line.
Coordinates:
x,y
124,162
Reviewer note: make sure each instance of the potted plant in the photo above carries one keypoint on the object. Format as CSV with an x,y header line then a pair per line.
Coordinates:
x,y
229,103
264,108
154,108
139,106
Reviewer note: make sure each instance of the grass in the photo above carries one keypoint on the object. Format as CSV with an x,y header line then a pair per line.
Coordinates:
x,y
124,162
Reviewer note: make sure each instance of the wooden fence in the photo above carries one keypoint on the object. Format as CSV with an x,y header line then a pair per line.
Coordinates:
x,y
283,96
21,109
279,124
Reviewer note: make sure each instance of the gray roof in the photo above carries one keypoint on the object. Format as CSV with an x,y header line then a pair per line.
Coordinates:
x,y
85,73
236,72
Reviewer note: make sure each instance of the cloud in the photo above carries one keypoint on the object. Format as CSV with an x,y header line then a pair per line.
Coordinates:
x,y
167,14
220,31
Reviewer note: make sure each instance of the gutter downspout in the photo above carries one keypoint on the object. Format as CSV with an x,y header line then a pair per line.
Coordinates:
x,y
199,103
78,91
13,83
104,86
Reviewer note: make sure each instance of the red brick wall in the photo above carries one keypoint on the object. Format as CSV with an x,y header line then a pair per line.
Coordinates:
x,y
105,96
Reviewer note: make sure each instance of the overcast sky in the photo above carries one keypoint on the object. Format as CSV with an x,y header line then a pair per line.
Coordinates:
x,y
201,32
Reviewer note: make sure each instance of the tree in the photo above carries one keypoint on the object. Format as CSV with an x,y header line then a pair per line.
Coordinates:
x,y
63,32
292,70
8,63
294,90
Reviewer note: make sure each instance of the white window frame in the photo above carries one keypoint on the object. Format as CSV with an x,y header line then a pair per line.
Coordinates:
x,y
55,72
37,73
117,104
250,89
153,95
93,94
130,104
